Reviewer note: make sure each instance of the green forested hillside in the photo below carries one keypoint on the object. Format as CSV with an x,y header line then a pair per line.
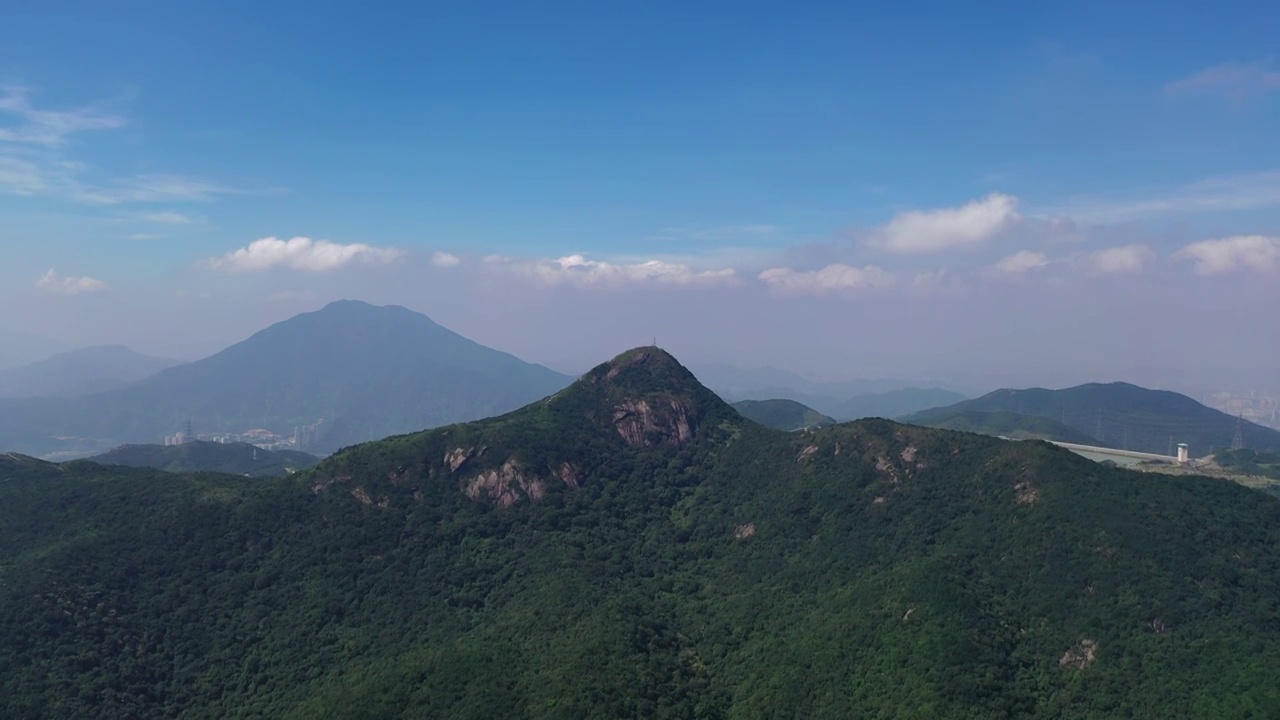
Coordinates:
x,y
630,547
201,456
1120,415
1010,425
782,414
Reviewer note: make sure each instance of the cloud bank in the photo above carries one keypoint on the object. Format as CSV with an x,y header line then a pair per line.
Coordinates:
x,y
300,253
52,282
1241,252
931,231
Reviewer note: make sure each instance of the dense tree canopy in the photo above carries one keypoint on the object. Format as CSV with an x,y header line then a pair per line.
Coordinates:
x,y
730,571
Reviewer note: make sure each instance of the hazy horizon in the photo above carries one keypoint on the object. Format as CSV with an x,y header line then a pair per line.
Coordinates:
x,y
1018,202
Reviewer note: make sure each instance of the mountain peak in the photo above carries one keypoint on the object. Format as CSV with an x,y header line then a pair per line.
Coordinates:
x,y
648,397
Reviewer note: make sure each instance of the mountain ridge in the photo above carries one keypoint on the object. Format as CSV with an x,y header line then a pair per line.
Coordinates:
x,y
782,414
81,372
1128,416
361,371
200,456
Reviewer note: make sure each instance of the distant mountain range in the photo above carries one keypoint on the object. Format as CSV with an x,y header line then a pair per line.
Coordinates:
x,y
894,403
842,400
1116,415
782,414
352,370
738,383
80,372
201,456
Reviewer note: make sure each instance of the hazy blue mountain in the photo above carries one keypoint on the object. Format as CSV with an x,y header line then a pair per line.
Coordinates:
x,y
838,399
1119,415
894,403
21,348
359,371
782,414
83,371
200,456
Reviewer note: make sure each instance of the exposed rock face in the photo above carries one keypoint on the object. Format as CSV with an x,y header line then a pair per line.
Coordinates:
x,y
1025,493
569,474
639,358
362,496
642,425
1079,656
807,453
456,457
742,532
505,486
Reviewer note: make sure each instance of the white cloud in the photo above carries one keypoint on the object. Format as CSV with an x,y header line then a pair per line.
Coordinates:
x,y
832,278
1235,81
47,127
1246,191
1022,262
1128,259
52,282
32,161
580,271
967,226
166,218
445,260
1241,252
152,188
300,253
21,177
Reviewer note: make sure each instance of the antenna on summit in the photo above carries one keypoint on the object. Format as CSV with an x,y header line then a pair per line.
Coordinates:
x,y
1237,442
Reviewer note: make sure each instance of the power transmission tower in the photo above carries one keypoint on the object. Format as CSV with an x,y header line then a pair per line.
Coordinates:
x,y
1237,442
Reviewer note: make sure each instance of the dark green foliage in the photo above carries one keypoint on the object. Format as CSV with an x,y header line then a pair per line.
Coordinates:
x,y
201,456
1250,462
367,371
1011,425
782,414
863,570
1120,415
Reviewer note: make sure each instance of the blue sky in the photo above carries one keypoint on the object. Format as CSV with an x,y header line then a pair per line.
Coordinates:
x,y
515,159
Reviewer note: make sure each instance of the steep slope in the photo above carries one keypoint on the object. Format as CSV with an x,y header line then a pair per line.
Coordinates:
x,y
782,414
631,547
83,371
1119,415
894,403
1012,425
359,371
201,456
